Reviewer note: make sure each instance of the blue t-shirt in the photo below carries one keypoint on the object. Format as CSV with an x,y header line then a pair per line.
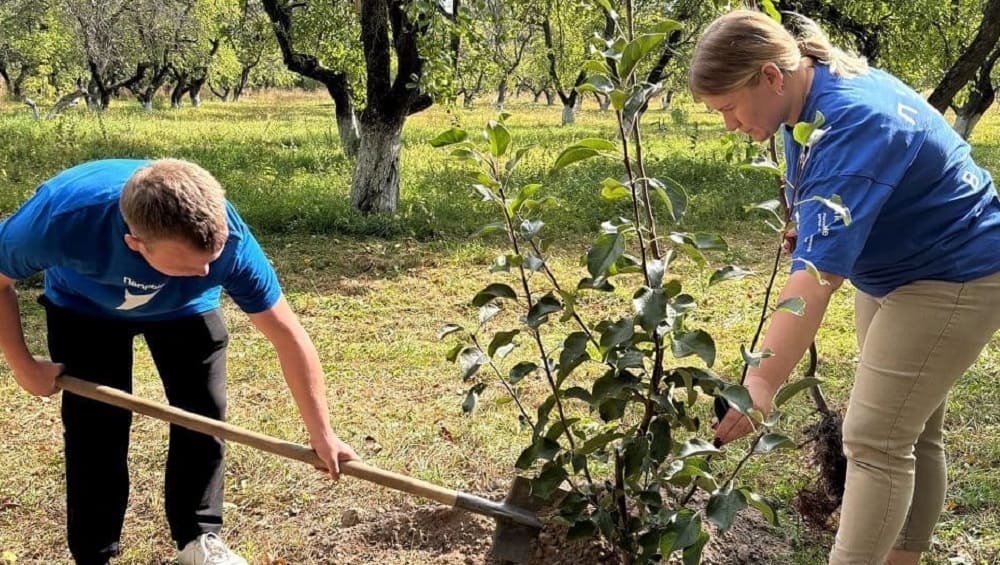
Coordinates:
x,y
72,229
921,208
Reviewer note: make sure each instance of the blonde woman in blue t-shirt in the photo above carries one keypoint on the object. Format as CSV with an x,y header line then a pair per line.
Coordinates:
x,y
920,249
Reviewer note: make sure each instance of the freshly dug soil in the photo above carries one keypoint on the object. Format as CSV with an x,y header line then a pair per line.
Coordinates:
x,y
436,535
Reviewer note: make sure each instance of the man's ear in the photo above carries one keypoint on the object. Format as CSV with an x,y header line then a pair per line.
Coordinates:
x,y
133,243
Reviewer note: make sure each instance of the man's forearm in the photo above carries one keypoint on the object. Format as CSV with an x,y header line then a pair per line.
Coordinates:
x,y
303,373
12,343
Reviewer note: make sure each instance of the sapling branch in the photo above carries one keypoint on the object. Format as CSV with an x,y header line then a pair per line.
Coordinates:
x,y
506,385
546,366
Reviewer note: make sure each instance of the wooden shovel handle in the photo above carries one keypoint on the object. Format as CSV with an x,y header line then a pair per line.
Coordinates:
x,y
229,432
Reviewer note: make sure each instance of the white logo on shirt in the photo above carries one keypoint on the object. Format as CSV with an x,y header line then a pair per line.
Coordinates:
x,y
134,300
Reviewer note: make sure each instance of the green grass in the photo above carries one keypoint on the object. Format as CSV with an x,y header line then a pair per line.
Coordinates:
x,y
373,291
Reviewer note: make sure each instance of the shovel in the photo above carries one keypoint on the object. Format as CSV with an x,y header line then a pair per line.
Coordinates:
x,y
517,526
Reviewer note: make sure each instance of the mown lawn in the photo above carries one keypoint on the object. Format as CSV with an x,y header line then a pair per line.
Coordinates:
x,y
373,292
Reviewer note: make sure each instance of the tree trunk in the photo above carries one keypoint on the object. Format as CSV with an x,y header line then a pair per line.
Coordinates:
x,y
603,101
22,75
549,98
177,93
501,93
538,96
375,187
982,94
195,96
666,98
568,114
963,70
350,137
467,98
147,104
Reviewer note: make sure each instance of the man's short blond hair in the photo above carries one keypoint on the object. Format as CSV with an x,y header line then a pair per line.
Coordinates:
x,y
177,200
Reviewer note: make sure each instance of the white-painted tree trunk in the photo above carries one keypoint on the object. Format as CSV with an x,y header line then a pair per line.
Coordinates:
x,y
147,106
350,139
196,100
965,123
375,187
568,115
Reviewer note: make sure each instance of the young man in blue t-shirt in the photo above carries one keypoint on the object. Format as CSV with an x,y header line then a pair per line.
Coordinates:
x,y
132,248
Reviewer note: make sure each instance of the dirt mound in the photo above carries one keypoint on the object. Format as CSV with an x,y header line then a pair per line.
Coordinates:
x,y
436,535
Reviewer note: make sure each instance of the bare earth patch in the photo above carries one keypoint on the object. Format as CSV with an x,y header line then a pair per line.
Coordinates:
x,y
426,534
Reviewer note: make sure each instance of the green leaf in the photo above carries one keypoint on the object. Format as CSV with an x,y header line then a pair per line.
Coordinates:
x,y
728,273
738,397
581,529
542,448
492,228
599,442
772,441
709,242
452,354
650,306
612,190
761,163
637,100
583,149
695,446
539,312
596,82
617,98
526,192
803,131
472,397
573,353
697,342
683,531
597,66
617,333
673,195
463,154
500,339
722,508
768,6
789,390
753,359
530,228
521,370
449,137
505,262
470,360
550,479
812,270
499,138
692,553
492,292
487,312
577,393
836,204
449,329
612,409
604,253
794,305
762,505
635,450
661,440
636,50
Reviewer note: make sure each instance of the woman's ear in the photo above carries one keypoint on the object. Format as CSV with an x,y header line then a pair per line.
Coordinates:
x,y
774,78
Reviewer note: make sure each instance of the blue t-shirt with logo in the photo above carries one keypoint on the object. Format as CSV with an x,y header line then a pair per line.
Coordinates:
x,y
921,209
72,229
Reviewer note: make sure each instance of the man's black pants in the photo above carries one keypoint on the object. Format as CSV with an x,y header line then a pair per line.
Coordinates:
x,y
190,356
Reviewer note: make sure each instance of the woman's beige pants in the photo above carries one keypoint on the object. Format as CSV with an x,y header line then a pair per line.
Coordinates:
x,y
915,344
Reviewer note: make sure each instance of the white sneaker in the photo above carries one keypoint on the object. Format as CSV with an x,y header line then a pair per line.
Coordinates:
x,y
208,549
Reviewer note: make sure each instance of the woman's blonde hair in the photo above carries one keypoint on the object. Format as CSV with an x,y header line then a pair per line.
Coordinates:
x,y
735,46
178,200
